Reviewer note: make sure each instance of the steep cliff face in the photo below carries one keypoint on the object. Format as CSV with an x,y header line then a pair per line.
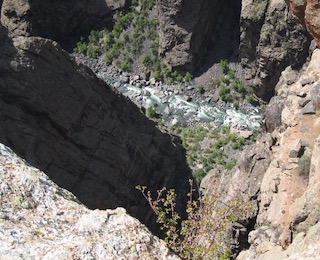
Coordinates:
x,y
307,11
289,188
88,139
186,28
270,40
57,19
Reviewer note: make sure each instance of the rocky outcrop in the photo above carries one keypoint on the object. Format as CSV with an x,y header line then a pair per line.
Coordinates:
x,y
307,11
279,175
185,30
39,220
270,40
289,207
242,185
90,140
56,20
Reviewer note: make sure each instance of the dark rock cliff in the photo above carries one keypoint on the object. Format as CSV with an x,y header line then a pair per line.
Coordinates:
x,y
57,19
185,30
265,36
268,37
90,140
270,40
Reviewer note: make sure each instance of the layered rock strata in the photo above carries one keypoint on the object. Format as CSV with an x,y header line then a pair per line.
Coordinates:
x,y
90,140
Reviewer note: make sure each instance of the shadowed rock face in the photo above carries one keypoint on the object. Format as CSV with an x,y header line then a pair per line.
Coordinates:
x,y
56,19
270,40
87,138
186,28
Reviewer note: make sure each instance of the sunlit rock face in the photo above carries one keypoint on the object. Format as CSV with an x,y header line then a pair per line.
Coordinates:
x,y
307,11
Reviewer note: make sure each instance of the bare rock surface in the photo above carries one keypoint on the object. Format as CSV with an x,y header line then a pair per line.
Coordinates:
x,y
39,220
93,141
185,29
289,192
307,11
270,40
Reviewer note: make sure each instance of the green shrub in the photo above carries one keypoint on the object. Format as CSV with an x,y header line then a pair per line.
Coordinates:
x,y
304,164
199,175
126,63
188,77
201,89
91,52
224,64
81,46
231,74
107,58
231,164
223,90
151,112
250,99
235,104
201,235
146,60
157,75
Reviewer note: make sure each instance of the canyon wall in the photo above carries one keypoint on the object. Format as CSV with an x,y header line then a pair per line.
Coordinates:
x,y
270,40
57,19
307,11
185,30
94,142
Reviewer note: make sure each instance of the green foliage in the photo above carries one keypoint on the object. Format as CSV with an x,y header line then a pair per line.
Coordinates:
x,y
126,64
304,164
146,60
224,93
157,75
114,44
188,77
231,164
81,46
201,235
250,99
231,88
201,89
224,64
202,157
151,112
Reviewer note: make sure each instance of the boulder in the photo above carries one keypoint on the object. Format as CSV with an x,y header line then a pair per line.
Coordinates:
x,y
272,115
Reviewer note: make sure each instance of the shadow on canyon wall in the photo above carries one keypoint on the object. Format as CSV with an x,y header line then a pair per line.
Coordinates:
x,y
87,138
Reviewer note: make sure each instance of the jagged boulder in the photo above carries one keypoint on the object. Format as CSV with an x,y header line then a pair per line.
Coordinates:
x,y
89,139
57,19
